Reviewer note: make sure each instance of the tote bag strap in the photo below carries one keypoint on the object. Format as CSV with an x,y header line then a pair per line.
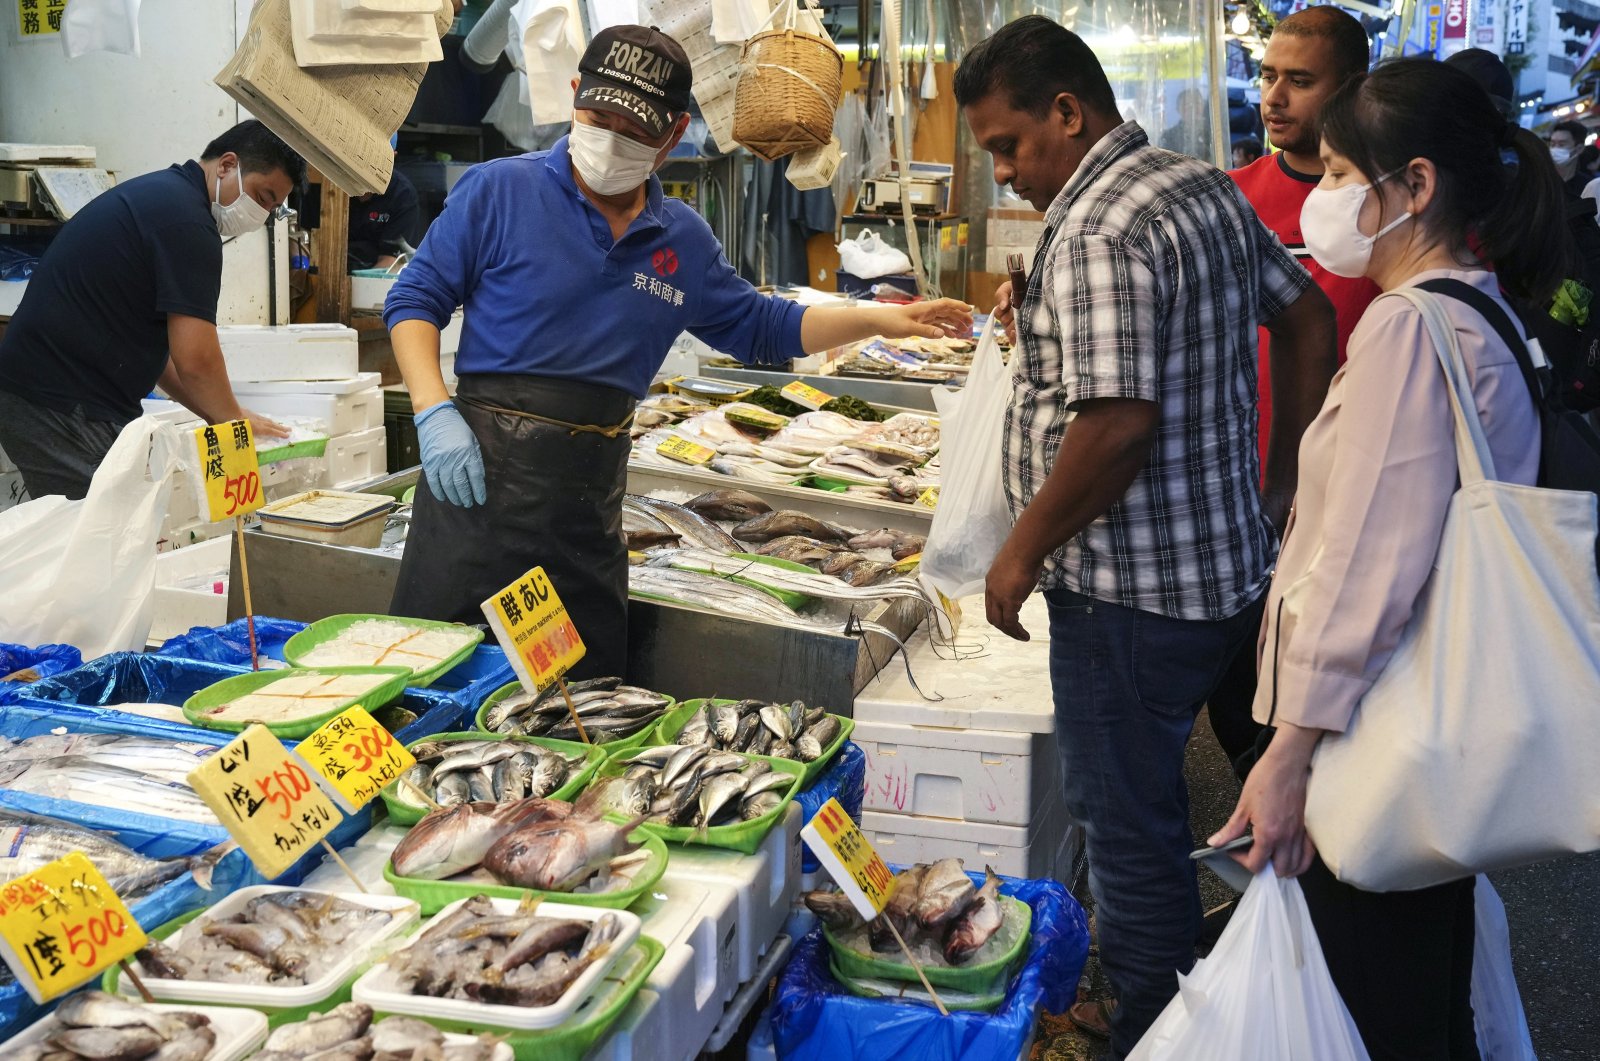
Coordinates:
x,y
1474,460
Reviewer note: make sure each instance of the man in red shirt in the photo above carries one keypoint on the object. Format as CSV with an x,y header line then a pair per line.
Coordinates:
x,y
1309,55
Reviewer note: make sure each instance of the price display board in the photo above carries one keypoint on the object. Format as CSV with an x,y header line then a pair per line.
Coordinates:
x,y
266,799
230,474
849,858
62,925
355,757
807,395
532,625
681,449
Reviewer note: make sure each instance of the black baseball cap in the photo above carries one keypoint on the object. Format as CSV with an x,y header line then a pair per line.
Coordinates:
x,y
637,72
1491,74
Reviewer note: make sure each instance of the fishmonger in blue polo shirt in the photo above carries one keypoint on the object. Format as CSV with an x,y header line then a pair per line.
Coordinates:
x,y
577,275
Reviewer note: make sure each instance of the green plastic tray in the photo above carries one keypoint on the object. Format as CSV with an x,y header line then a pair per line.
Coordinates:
x,y
311,447
914,992
212,696
987,978
745,837
403,812
790,597
635,741
334,625
573,1040
435,895
673,721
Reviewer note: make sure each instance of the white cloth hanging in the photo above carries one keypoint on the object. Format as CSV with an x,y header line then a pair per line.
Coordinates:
x,y
100,26
552,38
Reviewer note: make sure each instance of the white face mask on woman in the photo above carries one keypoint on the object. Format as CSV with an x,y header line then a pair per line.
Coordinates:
x,y
609,162
1330,224
242,215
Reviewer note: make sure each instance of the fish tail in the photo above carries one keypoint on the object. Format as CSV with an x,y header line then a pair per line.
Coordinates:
x,y
204,866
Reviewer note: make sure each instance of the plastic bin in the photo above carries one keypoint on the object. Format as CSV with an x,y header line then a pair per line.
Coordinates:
x,y
21,667
844,780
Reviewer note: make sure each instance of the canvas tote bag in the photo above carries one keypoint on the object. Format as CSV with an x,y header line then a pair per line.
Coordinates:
x,y
1478,747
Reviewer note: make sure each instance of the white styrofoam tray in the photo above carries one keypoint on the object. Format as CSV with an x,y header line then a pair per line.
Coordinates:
x,y
698,918
272,996
361,381
975,775
1006,688
1045,848
636,1031
766,883
173,608
240,1032
379,986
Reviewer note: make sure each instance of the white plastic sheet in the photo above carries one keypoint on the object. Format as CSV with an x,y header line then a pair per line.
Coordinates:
x,y
1501,1025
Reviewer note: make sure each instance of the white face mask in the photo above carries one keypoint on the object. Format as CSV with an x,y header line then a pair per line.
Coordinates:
x,y
242,215
1560,155
609,162
1330,225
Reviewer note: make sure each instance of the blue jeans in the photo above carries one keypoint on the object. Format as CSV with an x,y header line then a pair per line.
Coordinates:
x,y
1128,686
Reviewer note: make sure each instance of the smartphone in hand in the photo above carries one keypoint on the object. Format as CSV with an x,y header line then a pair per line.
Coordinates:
x,y
1220,862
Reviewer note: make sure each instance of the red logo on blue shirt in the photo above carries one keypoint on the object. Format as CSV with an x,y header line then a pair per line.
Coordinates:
x,y
664,261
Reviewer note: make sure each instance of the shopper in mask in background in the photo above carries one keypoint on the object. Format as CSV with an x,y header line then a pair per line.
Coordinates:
x,y
577,275
1566,141
124,299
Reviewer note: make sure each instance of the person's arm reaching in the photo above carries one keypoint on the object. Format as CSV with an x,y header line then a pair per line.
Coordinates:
x,y
825,327
197,378
1305,355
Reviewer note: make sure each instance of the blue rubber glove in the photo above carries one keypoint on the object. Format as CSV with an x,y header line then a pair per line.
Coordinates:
x,y
450,456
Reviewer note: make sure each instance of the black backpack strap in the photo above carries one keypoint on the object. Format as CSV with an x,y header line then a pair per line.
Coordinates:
x,y
1500,321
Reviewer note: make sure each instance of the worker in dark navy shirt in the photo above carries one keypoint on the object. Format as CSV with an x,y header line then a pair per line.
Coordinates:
x,y
577,275
125,298
384,226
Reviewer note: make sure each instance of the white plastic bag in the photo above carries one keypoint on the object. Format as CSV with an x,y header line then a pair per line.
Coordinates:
x,y
1264,994
972,520
1496,1003
868,257
80,572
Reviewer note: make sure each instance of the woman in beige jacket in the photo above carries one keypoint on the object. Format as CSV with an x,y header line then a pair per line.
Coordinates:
x,y
1415,190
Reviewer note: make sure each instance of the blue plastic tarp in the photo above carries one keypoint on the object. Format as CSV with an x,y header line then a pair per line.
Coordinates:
x,y
815,1019
20,667
845,778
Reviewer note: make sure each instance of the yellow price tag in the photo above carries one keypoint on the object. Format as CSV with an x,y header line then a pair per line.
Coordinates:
x,y
946,238
849,859
909,564
62,925
805,394
533,627
355,756
928,499
961,234
681,449
229,470
265,799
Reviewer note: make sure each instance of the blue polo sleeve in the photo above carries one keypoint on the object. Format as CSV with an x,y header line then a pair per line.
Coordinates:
x,y
448,264
735,318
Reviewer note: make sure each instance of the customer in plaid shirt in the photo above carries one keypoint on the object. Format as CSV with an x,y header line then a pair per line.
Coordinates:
x,y
1132,466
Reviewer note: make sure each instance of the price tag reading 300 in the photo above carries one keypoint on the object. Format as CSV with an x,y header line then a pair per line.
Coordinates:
x,y
265,798
848,857
62,925
533,627
355,756
229,470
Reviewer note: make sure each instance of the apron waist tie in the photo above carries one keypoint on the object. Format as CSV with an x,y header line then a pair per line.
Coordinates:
x,y
572,429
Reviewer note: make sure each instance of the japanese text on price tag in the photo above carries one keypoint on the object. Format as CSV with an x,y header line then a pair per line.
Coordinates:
x,y
533,627
849,859
62,925
807,395
928,499
681,449
266,799
355,756
229,470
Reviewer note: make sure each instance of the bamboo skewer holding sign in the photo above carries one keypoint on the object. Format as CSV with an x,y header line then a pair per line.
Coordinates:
x,y
230,480
244,579
127,970
573,711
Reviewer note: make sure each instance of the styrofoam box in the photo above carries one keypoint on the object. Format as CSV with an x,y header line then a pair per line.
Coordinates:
x,y
1046,848
361,381
369,292
173,608
334,414
635,1033
355,458
240,1032
255,352
700,915
976,775
766,883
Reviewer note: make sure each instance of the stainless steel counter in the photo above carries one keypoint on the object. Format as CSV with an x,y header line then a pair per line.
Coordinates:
x,y
906,394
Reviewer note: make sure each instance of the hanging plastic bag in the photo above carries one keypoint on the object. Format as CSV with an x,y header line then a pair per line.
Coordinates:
x,y
868,257
1264,994
972,520
80,572
1497,1014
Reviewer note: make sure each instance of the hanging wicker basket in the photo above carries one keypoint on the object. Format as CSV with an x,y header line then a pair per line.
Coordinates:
x,y
788,91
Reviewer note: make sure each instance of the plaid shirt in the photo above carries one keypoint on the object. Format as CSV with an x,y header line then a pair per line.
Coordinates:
x,y
1149,282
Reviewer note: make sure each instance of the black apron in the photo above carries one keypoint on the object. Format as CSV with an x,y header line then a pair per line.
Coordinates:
x,y
554,501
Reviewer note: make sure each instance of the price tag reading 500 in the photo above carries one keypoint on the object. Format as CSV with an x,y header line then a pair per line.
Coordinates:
x,y
229,470
849,858
62,925
355,756
266,799
533,627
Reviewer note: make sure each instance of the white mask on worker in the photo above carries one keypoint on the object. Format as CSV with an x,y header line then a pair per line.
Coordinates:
x,y
242,215
609,162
